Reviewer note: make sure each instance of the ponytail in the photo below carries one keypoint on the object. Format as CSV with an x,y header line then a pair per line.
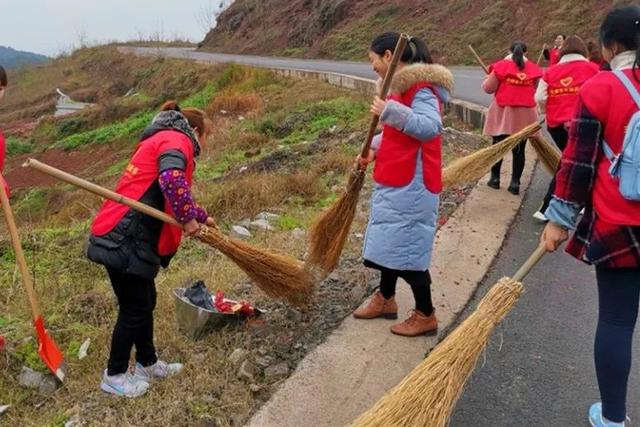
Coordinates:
x,y
415,52
518,49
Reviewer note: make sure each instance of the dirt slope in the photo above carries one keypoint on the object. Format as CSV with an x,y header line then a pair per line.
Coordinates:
x,y
343,28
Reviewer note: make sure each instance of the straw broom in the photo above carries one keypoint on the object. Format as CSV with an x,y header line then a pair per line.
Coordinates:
x,y
278,275
330,230
548,154
427,396
476,165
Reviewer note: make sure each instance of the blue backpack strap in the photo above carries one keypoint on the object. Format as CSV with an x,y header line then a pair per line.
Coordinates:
x,y
631,88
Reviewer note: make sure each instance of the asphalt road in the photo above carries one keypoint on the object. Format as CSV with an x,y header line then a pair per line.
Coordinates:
x,y
538,369
468,79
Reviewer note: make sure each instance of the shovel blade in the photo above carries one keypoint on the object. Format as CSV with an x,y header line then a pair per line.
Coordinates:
x,y
48,351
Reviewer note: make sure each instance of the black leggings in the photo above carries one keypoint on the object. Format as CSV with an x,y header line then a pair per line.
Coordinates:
x,y
420,282
136,300
560,136
518,159
618,295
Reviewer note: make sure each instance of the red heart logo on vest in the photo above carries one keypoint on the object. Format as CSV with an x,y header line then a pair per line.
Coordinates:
x,y
521,76
566,81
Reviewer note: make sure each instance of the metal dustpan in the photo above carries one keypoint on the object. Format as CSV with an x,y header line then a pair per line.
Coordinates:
x,y
195,322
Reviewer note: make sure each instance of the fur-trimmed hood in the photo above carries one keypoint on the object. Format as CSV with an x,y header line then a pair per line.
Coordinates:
x,y
415,73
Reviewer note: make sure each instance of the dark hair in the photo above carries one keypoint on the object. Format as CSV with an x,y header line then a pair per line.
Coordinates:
x,y
3,77
573,44
196,117
594,51
622,26
518,49
561,35
416,50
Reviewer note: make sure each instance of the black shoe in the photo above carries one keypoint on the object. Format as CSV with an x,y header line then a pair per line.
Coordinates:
x,y
494,182
514,188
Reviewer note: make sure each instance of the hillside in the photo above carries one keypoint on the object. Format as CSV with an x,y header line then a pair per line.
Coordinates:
x,y
342,29
11,58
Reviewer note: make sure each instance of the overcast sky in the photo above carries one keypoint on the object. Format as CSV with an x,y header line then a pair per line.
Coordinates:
x,y
52,26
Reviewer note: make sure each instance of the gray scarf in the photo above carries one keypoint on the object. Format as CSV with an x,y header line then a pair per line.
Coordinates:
x,y
173,120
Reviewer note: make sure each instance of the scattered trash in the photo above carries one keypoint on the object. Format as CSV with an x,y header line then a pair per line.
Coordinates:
x,y
82,352
199,295
4,408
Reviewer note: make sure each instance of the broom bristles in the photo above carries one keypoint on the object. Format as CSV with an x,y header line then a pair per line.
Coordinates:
x,y
476,165
278,275
427,396
548,154
330,230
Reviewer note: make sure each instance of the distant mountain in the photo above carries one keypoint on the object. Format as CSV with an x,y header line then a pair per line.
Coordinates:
x,y
11,58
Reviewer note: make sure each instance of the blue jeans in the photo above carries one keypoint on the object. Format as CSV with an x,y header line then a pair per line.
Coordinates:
x,y
618,294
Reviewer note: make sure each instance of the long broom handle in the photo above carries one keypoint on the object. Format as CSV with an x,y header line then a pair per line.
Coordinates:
x,y
386,84
482,64
530,263
101,191
17,247
544,46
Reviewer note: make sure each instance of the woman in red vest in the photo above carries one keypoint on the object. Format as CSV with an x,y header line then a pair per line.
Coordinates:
x,y
553,55
407,175
513,81
557,96
132,246
608,233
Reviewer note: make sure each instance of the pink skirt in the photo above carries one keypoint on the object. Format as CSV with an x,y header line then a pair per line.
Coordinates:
x,y
507,120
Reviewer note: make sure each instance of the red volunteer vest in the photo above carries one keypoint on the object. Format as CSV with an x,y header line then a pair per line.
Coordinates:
x,y
610,103
395,164
139,174
517,87
554,56
565,81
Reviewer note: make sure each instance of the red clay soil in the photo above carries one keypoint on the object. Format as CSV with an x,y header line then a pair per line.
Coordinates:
x,y
84,163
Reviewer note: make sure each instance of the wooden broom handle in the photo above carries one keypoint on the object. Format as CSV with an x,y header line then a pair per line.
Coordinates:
x,y
530,263
17,247
101,191
386,84
544,46
482,64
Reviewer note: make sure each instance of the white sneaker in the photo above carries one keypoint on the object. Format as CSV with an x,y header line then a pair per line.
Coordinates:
x,y
540,216
123,385
159,370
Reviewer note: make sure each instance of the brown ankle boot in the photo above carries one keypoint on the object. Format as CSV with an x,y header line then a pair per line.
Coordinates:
x,y
417,324
378,307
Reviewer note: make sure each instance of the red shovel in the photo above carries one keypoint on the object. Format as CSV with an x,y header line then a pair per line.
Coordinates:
x,y
47,349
